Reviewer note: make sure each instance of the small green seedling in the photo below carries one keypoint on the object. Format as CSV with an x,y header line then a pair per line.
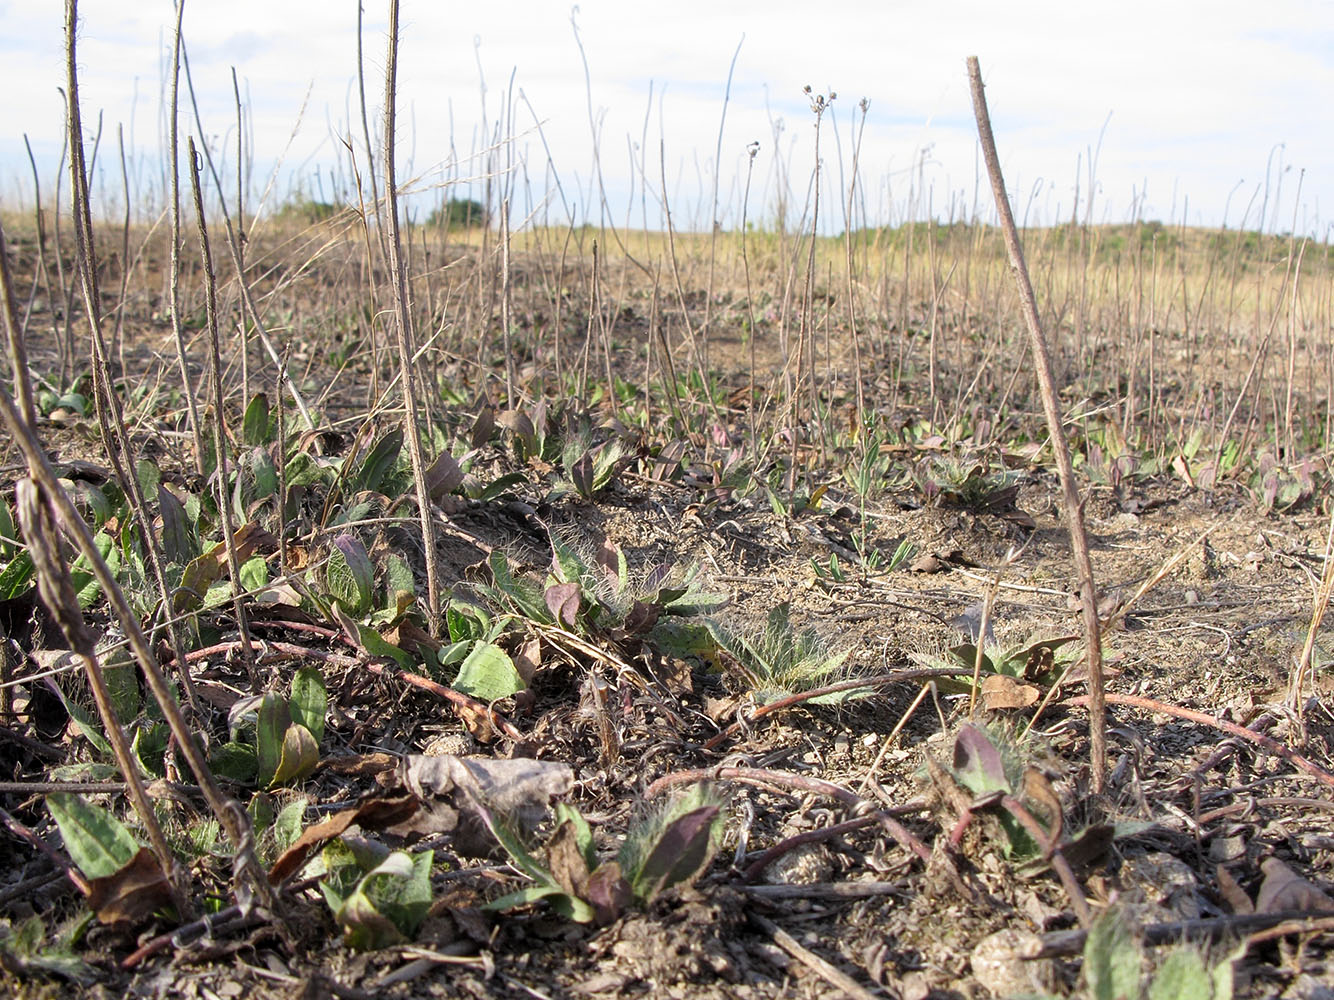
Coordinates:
x,y
670,847
378,896
285,746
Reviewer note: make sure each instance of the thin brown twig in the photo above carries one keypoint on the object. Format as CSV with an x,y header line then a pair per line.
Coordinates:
x,y
1074,512
406,346
271,652
1054,856
832,975
1061,943
789,844
1190,715
219,416
870,683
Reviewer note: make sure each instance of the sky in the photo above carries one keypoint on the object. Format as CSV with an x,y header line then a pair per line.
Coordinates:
x,y
1208,113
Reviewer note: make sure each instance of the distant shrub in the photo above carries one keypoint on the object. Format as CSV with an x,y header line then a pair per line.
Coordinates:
x,y
463,212
308,210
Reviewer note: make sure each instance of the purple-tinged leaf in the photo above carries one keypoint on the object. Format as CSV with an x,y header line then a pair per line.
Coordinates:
x,y
444,476
682,852
608,557
563,602
977,762
483,427
581,474
566,859
642,617
608,893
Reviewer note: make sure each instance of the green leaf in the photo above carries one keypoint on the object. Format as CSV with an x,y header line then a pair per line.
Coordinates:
x,y
389,903
304,469
399,583
264,473
465,621
498,487
570,907
525,596
254,574
565,562
85,584
349,575
255,423
16,577
309,701
298,757
97,842
978,763
1182,976
91,501
236,761
271,729
260,810
379,462
122,681
377,645
177,539
87,723
287,824
1113,961
488,674
149,476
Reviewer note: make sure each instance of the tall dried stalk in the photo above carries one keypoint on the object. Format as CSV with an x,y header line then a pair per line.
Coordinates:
x,y
1074,513
18,351
406,340
178,332
219,416
110,419
53,583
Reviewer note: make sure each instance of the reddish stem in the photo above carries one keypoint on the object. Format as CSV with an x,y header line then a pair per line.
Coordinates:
x,y
1190,715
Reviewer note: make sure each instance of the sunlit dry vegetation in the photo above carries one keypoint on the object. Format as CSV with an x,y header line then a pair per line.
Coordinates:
x,y
475,597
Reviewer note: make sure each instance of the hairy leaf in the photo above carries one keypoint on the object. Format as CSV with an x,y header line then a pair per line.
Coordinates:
x,y
97,842
349,575
488,674
684,849
978,763
1113,961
